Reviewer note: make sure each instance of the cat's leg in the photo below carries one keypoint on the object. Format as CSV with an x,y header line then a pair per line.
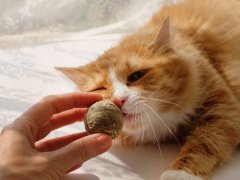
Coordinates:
x,y
179,175
211,143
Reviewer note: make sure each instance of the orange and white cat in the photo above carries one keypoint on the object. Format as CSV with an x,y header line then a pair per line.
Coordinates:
x,y
177,76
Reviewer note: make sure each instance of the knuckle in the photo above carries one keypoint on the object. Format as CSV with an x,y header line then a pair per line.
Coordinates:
x,y
5,129
78,114
48,98
43,163
82,151
51,100
9,130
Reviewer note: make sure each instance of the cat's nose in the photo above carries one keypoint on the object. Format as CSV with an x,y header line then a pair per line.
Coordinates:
x,y
119,101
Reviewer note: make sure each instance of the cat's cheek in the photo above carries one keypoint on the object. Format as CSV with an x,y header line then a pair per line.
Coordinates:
x,y
178,175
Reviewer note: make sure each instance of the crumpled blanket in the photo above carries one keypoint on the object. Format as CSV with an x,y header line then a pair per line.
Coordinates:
x,y
29,51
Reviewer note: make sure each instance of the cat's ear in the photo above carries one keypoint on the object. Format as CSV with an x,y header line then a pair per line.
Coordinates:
x,y
163,39
83,80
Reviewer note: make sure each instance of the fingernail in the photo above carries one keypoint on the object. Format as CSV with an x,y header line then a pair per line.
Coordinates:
x,y
104,142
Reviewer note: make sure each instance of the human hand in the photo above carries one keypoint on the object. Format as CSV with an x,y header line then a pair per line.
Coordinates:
x,y
23,155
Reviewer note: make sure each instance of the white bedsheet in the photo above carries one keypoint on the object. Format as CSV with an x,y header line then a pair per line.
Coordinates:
x,y
27,74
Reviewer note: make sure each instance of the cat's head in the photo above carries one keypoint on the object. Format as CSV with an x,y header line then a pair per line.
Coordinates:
x,y
151,82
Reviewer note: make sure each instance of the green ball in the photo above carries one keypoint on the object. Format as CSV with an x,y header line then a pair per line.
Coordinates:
x,y
104,117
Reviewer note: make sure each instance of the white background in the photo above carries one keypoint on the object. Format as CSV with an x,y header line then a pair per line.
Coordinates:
x,y
37,35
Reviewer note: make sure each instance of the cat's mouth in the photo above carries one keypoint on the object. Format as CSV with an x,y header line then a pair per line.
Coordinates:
x,y
131,117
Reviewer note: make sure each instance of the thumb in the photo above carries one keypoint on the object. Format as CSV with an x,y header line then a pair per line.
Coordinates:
x,y
81,150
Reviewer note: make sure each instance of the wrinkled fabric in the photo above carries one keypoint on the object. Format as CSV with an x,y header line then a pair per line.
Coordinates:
x,y
37,35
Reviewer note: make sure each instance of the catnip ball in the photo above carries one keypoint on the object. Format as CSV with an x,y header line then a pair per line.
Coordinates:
x,y
104,117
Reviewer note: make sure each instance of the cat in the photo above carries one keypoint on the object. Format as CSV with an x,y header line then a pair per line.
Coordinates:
x,y
177,76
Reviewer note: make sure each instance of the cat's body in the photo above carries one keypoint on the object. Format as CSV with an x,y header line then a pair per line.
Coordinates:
x,y
180,72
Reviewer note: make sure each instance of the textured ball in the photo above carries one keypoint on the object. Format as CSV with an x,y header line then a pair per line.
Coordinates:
x,y
104,117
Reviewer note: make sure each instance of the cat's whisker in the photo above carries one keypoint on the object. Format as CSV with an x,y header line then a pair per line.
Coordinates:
x,y
155,135
134,109
164,101
134,120
143,132
133,105
163,123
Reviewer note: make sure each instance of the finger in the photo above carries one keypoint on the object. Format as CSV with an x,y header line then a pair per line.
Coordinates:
x,y
60,120
73,168
57,143
81,150
41,112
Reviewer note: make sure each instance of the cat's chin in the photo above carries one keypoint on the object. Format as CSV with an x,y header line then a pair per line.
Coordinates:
x,y
129,117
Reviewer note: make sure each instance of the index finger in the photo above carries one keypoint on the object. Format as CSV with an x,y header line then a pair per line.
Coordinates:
x,y
42,111
63,102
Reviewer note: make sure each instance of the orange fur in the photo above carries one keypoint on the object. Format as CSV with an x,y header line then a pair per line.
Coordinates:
x,y
194,61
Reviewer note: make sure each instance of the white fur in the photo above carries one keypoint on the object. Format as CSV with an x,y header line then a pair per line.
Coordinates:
x,y
178,175
156,125
164,124
119,88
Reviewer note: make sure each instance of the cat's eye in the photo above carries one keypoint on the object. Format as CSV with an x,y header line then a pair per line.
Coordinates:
x,y
98,89
135,76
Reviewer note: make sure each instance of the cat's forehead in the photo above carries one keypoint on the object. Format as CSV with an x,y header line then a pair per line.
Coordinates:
x,y
122,62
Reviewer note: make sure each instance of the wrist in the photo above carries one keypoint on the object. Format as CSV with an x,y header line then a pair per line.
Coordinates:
x,y
7,173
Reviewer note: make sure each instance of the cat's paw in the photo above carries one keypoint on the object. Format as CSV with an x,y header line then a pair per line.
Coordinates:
x,y
178,175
